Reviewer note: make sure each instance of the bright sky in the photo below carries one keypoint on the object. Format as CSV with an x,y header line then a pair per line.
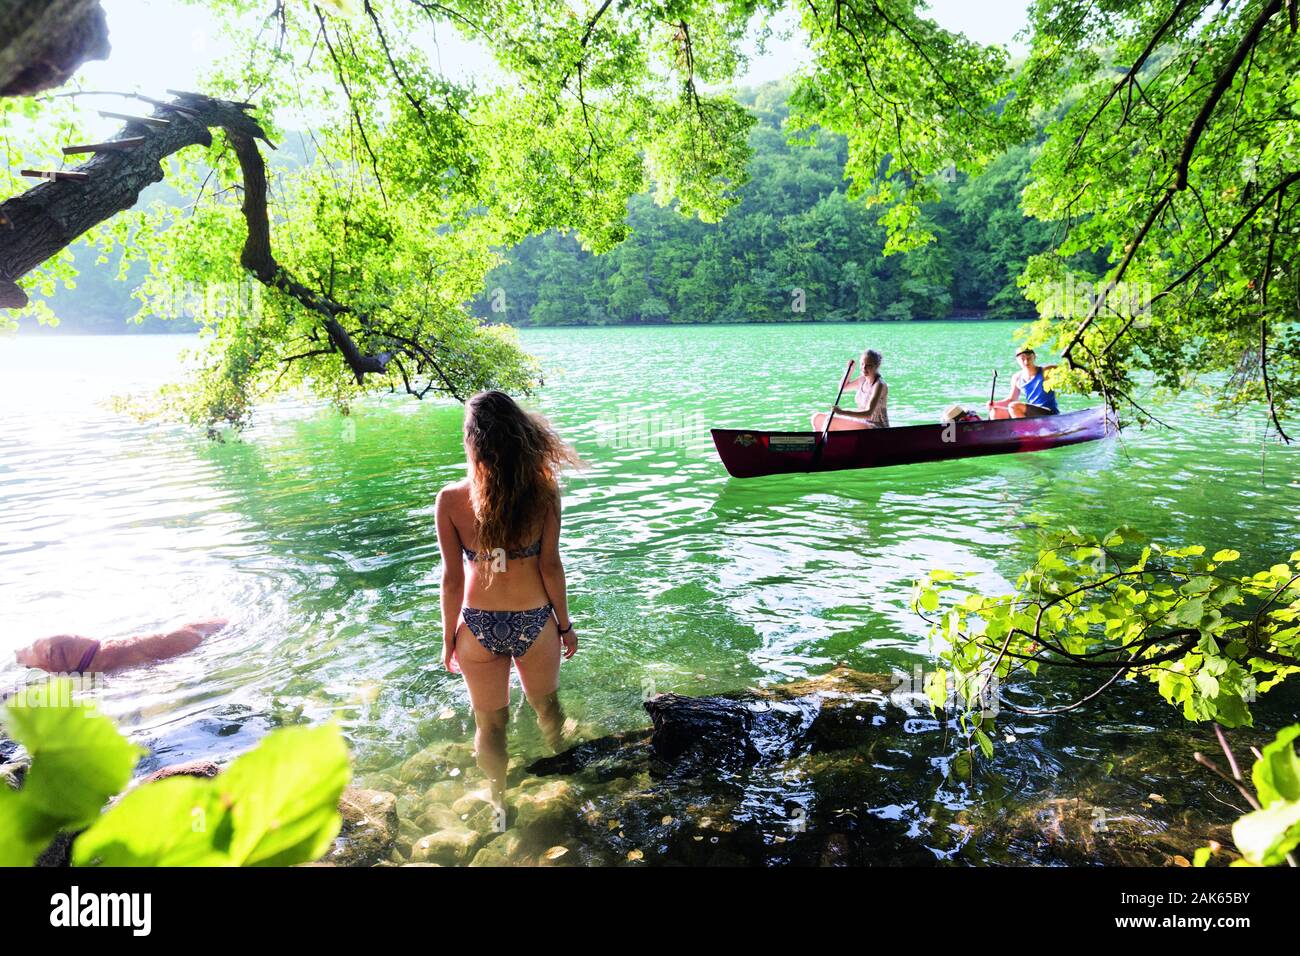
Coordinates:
x,y
163,44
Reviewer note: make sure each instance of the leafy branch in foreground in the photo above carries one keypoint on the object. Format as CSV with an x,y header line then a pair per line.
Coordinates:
x,y
1268,834
1210,640
274,806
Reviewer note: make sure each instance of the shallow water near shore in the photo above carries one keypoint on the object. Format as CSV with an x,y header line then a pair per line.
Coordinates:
x,y
314,533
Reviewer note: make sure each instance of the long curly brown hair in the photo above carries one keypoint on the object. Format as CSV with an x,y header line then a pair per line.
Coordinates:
x,y
516,457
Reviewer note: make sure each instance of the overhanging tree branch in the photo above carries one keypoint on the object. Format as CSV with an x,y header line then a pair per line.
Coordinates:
x,y
1181,169
49,217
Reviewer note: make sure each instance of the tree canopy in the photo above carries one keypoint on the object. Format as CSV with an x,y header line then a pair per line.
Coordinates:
x,y
794,248
1169,153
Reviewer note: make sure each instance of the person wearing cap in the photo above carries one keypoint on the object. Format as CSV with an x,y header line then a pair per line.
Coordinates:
x,y
1030,396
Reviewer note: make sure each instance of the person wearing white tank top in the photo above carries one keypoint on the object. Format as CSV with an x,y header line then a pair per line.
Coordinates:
x,y
871,398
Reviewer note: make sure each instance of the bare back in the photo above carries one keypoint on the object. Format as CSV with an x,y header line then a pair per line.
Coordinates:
x,y
515,582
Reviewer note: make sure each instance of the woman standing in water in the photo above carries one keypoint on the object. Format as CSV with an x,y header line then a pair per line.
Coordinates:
x,y
503,522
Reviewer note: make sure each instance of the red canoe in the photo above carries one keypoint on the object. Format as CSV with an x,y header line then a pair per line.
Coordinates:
x,y
748,453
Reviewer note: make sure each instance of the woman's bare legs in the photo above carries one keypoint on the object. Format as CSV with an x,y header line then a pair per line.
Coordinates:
x,y
488,677
1011,410
840,423
539,671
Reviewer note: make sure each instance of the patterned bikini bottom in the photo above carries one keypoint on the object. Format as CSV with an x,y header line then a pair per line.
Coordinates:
x,y
507,632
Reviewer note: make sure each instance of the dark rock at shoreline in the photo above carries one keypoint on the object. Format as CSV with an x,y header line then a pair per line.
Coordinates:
x,y
732,732
695,734
847,769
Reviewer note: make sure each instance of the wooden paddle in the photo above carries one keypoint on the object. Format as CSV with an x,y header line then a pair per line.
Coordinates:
x,y
838,395
993,390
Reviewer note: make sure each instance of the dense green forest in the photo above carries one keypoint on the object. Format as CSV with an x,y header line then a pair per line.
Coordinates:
x,y
795,248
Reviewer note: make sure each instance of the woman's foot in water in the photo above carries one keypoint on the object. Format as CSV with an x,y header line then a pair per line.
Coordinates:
x,y
495,798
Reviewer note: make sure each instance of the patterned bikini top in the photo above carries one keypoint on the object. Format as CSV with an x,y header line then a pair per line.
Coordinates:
x,y
533,549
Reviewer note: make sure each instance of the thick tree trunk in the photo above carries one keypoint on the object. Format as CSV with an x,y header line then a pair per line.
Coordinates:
x,y
43,42
50,216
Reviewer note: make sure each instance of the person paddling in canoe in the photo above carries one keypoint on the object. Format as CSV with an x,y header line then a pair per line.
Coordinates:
x,y
1030,396
871,397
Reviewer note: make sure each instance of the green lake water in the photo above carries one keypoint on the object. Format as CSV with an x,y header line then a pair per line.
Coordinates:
x,y
314,533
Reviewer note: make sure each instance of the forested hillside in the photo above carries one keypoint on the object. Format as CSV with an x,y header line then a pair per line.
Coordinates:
x,y
796,248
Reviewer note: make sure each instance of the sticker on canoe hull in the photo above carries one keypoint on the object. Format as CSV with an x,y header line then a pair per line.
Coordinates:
x,y
791,443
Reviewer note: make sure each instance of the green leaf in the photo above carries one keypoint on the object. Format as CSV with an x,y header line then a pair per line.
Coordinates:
x,y
1265,836
173,822
936,688
986,744
79,760
1231,711
1226,554
930,599
274,806
1202,856
1191,612
285,796
23,832
1276,774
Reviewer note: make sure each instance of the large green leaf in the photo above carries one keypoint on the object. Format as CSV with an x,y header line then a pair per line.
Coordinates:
x,y
1265,836
274,806
79,759
1276,774
284,796
172,822
23,832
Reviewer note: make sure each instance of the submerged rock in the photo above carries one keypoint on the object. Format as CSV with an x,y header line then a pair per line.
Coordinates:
x,y
192,768
370,828
451,847
502,850
841,770
12,773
